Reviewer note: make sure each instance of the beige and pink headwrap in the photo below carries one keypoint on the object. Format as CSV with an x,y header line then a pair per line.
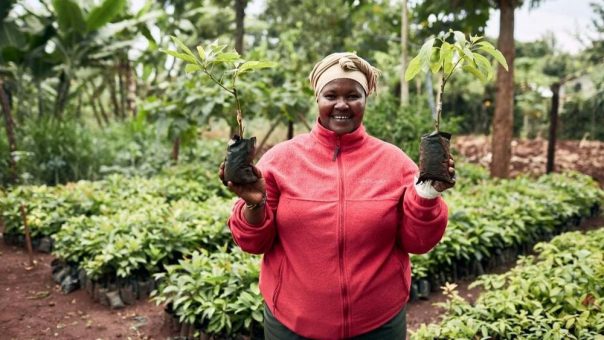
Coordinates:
x,y
343,65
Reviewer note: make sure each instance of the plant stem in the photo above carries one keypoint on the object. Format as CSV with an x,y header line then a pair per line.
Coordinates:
x,y
233,92
439,100
239,113
205,70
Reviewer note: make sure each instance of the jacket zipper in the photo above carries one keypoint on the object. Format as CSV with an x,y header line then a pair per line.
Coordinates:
x,y
343,285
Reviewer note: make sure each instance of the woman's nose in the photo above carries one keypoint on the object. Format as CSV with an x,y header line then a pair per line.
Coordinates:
x,y
341,104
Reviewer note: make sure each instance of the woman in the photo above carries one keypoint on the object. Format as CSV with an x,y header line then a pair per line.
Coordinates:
x,y
336,213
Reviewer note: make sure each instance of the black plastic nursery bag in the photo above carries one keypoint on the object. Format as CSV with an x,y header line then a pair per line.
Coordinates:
x,y
434,157
238,162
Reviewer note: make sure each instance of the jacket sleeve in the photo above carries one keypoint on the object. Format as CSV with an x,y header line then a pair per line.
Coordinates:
x,y
259,238
423,221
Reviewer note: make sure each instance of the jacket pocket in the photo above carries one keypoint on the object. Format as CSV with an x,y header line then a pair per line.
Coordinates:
x,y
279,282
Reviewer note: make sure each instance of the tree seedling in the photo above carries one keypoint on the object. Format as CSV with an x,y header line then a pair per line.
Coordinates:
x,y
438,55
223,67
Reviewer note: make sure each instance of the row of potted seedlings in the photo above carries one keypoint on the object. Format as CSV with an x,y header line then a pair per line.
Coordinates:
x,y
519,213
113,254
556,293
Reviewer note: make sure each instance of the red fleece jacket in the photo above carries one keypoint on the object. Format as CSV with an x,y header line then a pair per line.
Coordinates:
x,y
342,215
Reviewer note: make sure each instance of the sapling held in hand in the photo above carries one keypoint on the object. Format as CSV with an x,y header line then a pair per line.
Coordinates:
x,y
439,55
224,67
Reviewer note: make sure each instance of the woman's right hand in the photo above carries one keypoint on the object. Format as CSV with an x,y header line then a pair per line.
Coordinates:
x,y
252,193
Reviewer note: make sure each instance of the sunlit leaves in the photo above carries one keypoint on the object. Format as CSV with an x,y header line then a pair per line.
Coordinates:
x,y
488,48
104,13
421,61
437,54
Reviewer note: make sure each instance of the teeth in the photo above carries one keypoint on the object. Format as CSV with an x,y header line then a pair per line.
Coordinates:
x,y
340,117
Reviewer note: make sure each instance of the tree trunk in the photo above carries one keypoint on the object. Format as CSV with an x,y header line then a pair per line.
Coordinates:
x,y
112,93
290,129
96,97
503,120
40,99
131,89
121,76
10,132
239,24
404,43
95,110
553,127
175,150
62,94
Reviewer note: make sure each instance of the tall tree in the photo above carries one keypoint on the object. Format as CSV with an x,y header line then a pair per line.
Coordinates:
x,y
10,132
239,24
471,17
503,120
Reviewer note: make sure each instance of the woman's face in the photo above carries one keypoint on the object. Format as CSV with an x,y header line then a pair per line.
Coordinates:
x,y
341,105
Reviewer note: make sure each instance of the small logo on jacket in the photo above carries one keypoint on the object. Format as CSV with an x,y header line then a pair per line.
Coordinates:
x,y
372,181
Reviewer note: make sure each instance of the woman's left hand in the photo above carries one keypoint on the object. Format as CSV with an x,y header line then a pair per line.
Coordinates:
x,y
442,186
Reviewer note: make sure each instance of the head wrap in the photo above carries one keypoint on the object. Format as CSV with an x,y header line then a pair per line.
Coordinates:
x,y
343,65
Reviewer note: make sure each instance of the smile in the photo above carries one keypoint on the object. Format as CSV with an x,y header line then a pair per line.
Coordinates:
x,y
340,117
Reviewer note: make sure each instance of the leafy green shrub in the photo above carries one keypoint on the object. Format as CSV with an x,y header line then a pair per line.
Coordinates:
x,y
142,237
218,292
555,295
58,151
48,208
506,214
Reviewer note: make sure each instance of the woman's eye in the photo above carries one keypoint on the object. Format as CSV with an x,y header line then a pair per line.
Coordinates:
x,y
329,96
354,97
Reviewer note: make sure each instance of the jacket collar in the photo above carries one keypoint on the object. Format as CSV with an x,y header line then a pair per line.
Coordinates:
x,y
330,139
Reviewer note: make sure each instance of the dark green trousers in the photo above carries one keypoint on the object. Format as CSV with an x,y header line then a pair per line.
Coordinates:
x,y
395,329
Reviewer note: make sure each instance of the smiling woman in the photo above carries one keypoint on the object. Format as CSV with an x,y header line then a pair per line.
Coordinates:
x,y
342,105
336,213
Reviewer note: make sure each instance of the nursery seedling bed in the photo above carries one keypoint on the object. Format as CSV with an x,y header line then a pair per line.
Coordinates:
x,y
424,312
32,306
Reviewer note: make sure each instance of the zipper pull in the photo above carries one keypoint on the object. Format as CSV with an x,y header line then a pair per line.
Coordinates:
x,y
336,152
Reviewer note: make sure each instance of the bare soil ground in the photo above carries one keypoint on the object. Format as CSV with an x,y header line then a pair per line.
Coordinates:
x,y
530,156
33,307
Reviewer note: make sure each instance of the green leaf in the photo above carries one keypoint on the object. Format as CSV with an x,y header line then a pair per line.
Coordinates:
x,y
180,56
69,16
435,61
426,52
201,52
483,65
227,57
446,55
101,15
182,46
459,37
413,68
190,68
487,47
473,70
256,65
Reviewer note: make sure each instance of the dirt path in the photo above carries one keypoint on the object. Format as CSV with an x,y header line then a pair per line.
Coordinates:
x,y
32,307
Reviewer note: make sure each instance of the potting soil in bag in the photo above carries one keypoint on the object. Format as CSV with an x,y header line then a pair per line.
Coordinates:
x,y
434,157
238,162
